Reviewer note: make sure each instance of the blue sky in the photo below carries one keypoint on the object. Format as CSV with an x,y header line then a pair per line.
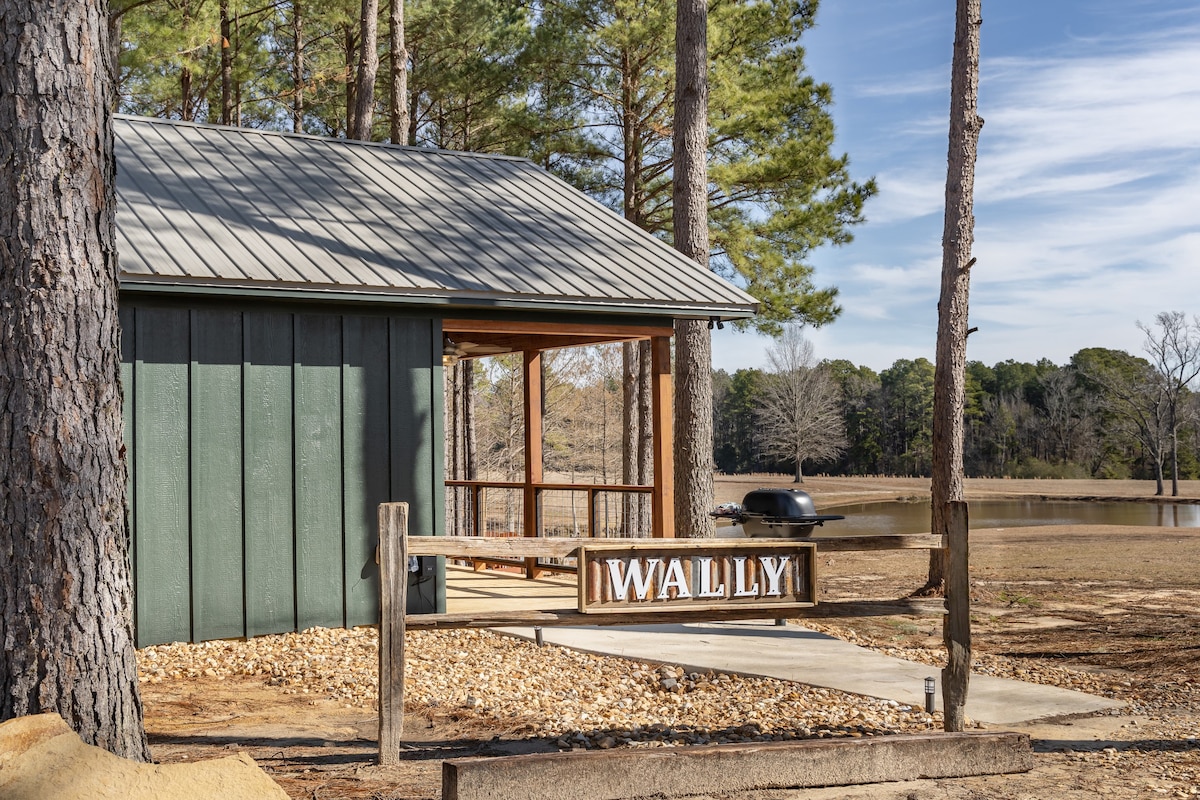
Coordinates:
x,y
1087,195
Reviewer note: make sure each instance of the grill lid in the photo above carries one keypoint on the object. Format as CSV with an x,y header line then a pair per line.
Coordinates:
x,y
785,505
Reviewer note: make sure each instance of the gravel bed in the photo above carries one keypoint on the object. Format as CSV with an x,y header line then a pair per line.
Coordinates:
x,y
581,701
576,699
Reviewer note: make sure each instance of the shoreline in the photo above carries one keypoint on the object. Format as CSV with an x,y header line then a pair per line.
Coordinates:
x,y
828,491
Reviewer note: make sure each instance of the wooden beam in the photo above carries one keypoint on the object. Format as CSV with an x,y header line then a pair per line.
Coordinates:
x,y
739,770
663,502
393,597
564,547
914,606
617,332
533,448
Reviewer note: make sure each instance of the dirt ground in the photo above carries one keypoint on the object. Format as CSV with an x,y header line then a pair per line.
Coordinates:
x,y
1116,605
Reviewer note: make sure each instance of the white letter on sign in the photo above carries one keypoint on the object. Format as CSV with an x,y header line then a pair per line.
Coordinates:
x,y
706,578
773,574
739,579
633,574
674,577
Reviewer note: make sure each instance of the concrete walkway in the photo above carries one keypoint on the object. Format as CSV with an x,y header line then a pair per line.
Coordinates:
x,y
797,654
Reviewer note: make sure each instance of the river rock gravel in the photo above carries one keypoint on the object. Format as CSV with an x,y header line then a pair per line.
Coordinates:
x,y
576,699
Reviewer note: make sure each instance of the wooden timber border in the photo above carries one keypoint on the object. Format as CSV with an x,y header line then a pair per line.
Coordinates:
x,y
395,548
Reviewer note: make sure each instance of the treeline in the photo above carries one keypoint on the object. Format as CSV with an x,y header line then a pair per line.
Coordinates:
x,y
1104,414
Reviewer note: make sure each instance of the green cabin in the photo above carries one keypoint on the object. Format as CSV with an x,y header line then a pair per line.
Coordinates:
x,y
287,303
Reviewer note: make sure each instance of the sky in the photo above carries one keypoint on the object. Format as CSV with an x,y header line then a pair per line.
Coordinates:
x,y
1087,184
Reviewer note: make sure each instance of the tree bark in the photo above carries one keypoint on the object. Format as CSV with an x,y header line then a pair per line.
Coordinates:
x,y
693,345
949,397
66,618
297,68
351,55
399,74
957,239
368,68
226,66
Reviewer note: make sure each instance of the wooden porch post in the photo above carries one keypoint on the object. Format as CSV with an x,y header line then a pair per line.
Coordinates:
x,y
533,448
663,502
393,593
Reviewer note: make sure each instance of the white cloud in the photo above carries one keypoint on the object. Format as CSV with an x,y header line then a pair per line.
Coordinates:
x,y
1086,192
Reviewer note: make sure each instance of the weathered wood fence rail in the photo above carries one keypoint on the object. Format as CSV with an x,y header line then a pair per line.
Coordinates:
x,y
395,548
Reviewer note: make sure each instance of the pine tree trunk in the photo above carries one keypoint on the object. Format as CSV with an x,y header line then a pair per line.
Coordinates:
x,y
957,238
226,66
949,518
351,55
693,345
399,75
66,619
297,68
368,68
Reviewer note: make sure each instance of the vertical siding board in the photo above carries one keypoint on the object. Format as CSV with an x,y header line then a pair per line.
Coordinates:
x,y
269,523
128,356
412,437
163,591
259,446
437,475
216,474
366,428
318,446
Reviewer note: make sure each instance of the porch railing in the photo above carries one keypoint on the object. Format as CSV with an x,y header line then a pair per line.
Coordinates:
x,y
600,517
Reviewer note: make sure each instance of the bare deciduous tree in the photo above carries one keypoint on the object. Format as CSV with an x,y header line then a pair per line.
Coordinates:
x,y
799,410
1173,345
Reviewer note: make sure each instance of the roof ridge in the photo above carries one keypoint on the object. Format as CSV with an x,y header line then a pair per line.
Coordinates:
x,y
331,140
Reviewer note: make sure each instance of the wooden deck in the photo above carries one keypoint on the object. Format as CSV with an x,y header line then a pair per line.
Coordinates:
x,y
495,591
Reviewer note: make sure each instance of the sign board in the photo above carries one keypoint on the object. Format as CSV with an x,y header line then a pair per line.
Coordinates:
x,y
694,575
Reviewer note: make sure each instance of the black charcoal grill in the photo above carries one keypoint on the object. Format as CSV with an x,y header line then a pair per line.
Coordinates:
x,y
775,513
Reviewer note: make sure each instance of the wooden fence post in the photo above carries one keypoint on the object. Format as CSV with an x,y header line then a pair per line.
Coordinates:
x,y
956,627
393,596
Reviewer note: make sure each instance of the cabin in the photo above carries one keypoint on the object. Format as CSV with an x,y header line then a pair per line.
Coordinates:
x,y
287,305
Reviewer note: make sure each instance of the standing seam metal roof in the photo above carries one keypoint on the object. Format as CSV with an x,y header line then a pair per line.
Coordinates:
x,y
242,209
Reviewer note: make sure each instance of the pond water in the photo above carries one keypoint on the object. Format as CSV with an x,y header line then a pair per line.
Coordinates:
x,y
867,519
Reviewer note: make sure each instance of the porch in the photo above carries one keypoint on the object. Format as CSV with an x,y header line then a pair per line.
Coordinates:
x,y
601,503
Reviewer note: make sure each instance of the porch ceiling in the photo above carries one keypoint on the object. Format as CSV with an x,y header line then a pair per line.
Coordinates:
x,y
479,338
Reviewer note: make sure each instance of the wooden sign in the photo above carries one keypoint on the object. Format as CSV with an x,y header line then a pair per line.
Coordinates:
x,y
696,575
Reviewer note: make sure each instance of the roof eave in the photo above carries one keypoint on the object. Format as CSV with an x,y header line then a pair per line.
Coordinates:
x,y
456,301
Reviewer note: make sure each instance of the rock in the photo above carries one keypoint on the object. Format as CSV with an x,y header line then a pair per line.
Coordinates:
x,y
41,757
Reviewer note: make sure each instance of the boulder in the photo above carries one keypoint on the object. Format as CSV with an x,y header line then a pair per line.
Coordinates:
x,y
41,758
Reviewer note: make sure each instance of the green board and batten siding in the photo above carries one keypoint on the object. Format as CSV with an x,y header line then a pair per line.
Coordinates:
x,y
261,443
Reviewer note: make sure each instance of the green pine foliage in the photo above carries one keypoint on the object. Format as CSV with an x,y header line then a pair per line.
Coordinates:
x,y
582,87
778,191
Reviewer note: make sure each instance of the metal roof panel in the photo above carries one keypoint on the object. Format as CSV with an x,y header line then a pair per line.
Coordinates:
x,y
239,208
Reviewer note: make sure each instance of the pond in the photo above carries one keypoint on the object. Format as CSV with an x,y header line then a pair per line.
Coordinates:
x,y
873,519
